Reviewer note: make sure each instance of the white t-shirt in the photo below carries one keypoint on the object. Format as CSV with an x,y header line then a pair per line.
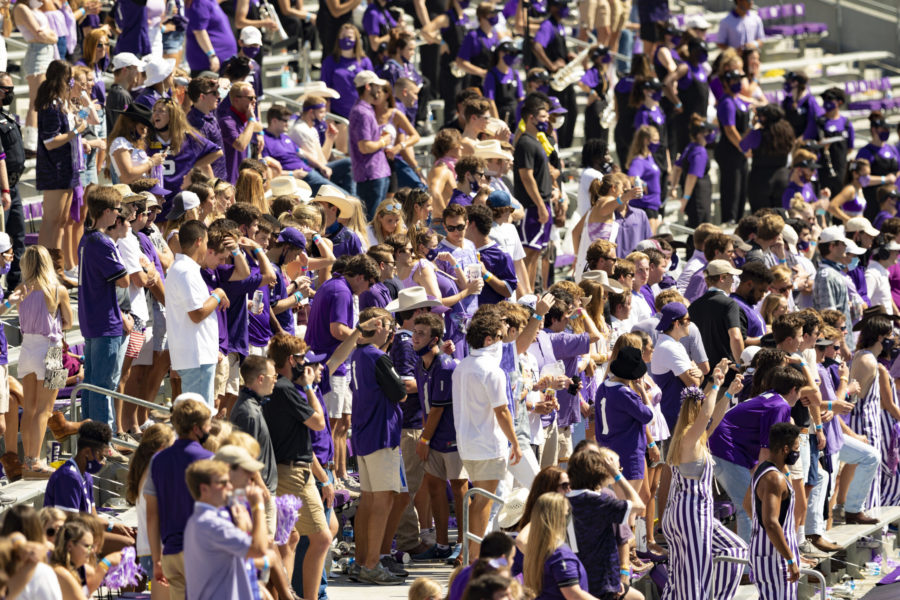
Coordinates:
x,y
507,238
43,584
142,541
195,344
640,310
480,386
138,156
305,136
669,357
130,251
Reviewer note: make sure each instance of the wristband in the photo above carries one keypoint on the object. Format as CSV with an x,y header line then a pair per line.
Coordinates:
x,y
820,211
818,428
679,105
617,477
109,526
486,277
216,296
308,387
5,191
7,304
625,572
424,441
265,563
259,506
781,261
104,562
686,197
235,252
715,388
619,201
256,251
829,405
729,396
538,317
883,179
790,561
210,53
651,445
298,297
316,238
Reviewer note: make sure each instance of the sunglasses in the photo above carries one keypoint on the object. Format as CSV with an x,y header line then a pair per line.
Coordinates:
x,y
392,207
455,227
51,532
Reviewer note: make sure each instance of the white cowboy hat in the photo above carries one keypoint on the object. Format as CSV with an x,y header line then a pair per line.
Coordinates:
x,y
610,285
512,510
332,195
410,299
491,149
288,185
318,88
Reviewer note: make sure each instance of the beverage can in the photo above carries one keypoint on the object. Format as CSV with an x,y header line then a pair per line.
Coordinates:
x,y
55,451
257,306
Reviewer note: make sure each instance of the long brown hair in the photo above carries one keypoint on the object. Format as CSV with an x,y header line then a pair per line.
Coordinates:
x,y
547,480
179,128
155,438
357,50
640,143
55,86
249,188
91,41
548,531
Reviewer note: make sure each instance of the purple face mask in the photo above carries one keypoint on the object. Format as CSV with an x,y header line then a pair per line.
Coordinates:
x,y
564,12
493,20
657,95
653,146
511,60
347,43
251,51
735,87
830,105
711,137
543,126
884,135
864,180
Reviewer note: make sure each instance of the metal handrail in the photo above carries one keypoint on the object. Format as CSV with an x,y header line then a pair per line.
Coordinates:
x,y
73,417
807,572
466,534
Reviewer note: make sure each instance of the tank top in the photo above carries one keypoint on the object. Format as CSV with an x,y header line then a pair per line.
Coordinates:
x,y
35,319
390,128
43,23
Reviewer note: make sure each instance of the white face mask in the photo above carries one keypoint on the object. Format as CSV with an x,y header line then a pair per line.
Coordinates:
x,y
35,4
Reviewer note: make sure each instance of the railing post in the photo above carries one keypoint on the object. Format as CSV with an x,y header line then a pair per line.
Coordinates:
x,y
466,535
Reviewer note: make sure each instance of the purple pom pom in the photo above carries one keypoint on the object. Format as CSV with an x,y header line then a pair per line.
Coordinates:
x,y
693,394
286,508
127,573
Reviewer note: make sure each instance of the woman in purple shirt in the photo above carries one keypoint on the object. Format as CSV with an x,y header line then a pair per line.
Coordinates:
x,y
378,22
641,164
502,85
800,106
596,83
646,96
209,36
692,170
882,157
624,130
771,144
734,122
834,125
693,88
342,65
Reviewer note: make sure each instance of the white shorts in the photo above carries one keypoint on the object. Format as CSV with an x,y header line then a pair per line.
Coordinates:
x,y
145,356
32,354
4,389
258,350
233,384
340,399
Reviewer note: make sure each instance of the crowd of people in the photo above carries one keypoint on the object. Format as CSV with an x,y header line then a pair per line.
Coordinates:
x,y
336,320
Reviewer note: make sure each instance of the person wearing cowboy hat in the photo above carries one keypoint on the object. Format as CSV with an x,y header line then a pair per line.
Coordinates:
x,y
338,205
204,95
315,136
160,78
128,150
288,185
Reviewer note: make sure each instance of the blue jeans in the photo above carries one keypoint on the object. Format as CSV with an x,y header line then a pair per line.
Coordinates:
x,y
103,358
866,459
200,380
406,175
303,546
372,192
342,176
736,480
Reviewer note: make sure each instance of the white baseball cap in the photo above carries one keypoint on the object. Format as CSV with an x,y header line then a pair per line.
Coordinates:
x,y
251,36
5,242
366,77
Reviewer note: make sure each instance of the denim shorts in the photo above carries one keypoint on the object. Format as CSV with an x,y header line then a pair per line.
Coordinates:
x,y
173,41
37,58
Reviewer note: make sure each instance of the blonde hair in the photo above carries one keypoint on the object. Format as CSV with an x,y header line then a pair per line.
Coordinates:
x,y
388,206
687,416
218,432
242,440
309,215
179,128
203,472
769,305
548,531
357,221
49,514
424,588
250,189
640,144
38,274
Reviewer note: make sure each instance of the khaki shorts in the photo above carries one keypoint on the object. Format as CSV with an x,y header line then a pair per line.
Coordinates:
x,y
412,464
300,482
491,469
382,471
565,443
339,399
271,516
4,389
221,380
621,10
173,569
447,466
258,350
233,382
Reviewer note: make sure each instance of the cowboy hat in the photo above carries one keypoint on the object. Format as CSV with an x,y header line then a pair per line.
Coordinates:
x,y
288,185
611,286
158,70
318,88
332,195
410,299
491,149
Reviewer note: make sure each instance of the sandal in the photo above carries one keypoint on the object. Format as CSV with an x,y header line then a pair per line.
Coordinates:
x,y
657,549
35,469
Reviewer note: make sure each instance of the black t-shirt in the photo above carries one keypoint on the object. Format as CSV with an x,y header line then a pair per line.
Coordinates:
x,y
529,154
286,412
715,313
800,413
117,99
247,415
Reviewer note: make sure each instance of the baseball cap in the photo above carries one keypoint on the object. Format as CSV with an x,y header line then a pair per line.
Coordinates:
x,y
366,77
860,224
670,313
697,22
294,237
239,457
499,199
251,36
5,242
127,59
721,267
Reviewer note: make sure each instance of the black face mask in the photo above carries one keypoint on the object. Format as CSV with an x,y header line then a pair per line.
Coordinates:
x,y
297,371
203,437
9,97
607,167
792,457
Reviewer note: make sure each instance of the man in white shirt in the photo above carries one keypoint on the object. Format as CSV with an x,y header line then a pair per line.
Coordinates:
x,y
316,149
194,352
877,281
507,237
485,434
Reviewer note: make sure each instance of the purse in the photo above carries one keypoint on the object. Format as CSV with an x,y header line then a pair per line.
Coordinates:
x,y
55,374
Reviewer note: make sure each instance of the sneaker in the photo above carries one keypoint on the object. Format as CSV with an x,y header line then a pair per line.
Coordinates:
x,y
351,485
353,571
808,549
116,456
378,576
390,563
837,516
446,552
340,484
430,554
455,558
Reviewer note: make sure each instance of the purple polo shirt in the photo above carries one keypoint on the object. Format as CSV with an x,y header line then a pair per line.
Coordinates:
x,y
237,316
464,256
208,126
259,329
880,218
279,292
806,190
551,346
176,166
646,168
377,391
166,483
500,265
693,160
475,41
378,295
231,125
696,286
435,386
345,242
562,569
756,325
131,19
634,227
338,74
213,279
333,304
285,151
70,489
207,15
364,126
405,358
745,429
149,250
101,266
549,29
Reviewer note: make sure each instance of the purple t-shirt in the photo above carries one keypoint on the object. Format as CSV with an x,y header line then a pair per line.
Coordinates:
x,y
834,437
333,304
208,126
344,241
634,227
458,197
207,15
886,152
650,116
231,126
745,429
322,442
285,151
495,79
551,346
213,279
547,31
237,316
752,140
728,109
378,295
378,20
131,19
101,266
806,190
476,41
500,265
693,160
176,166
377,391
597,517
364,126
621,417
562,569
338,74
646,168
404,358
756,325
70,489
435,386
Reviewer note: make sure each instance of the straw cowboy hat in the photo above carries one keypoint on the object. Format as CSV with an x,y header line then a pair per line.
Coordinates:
x,y
332,195
288,185
411,298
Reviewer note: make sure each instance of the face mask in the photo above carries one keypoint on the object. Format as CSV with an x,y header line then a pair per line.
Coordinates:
x,y
426,348
787,87
473,185
830,105
854,262
657,96
792,457
738,261
543,126
803,246
884,135
35,4
493,20
6,268
711,137
864,180
559,122
251,51
9,98
464,4
703,56
297,371
321,128
511,60
654,146
735,87
203,437
93,466
607,58
564,12
347,43
607,167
